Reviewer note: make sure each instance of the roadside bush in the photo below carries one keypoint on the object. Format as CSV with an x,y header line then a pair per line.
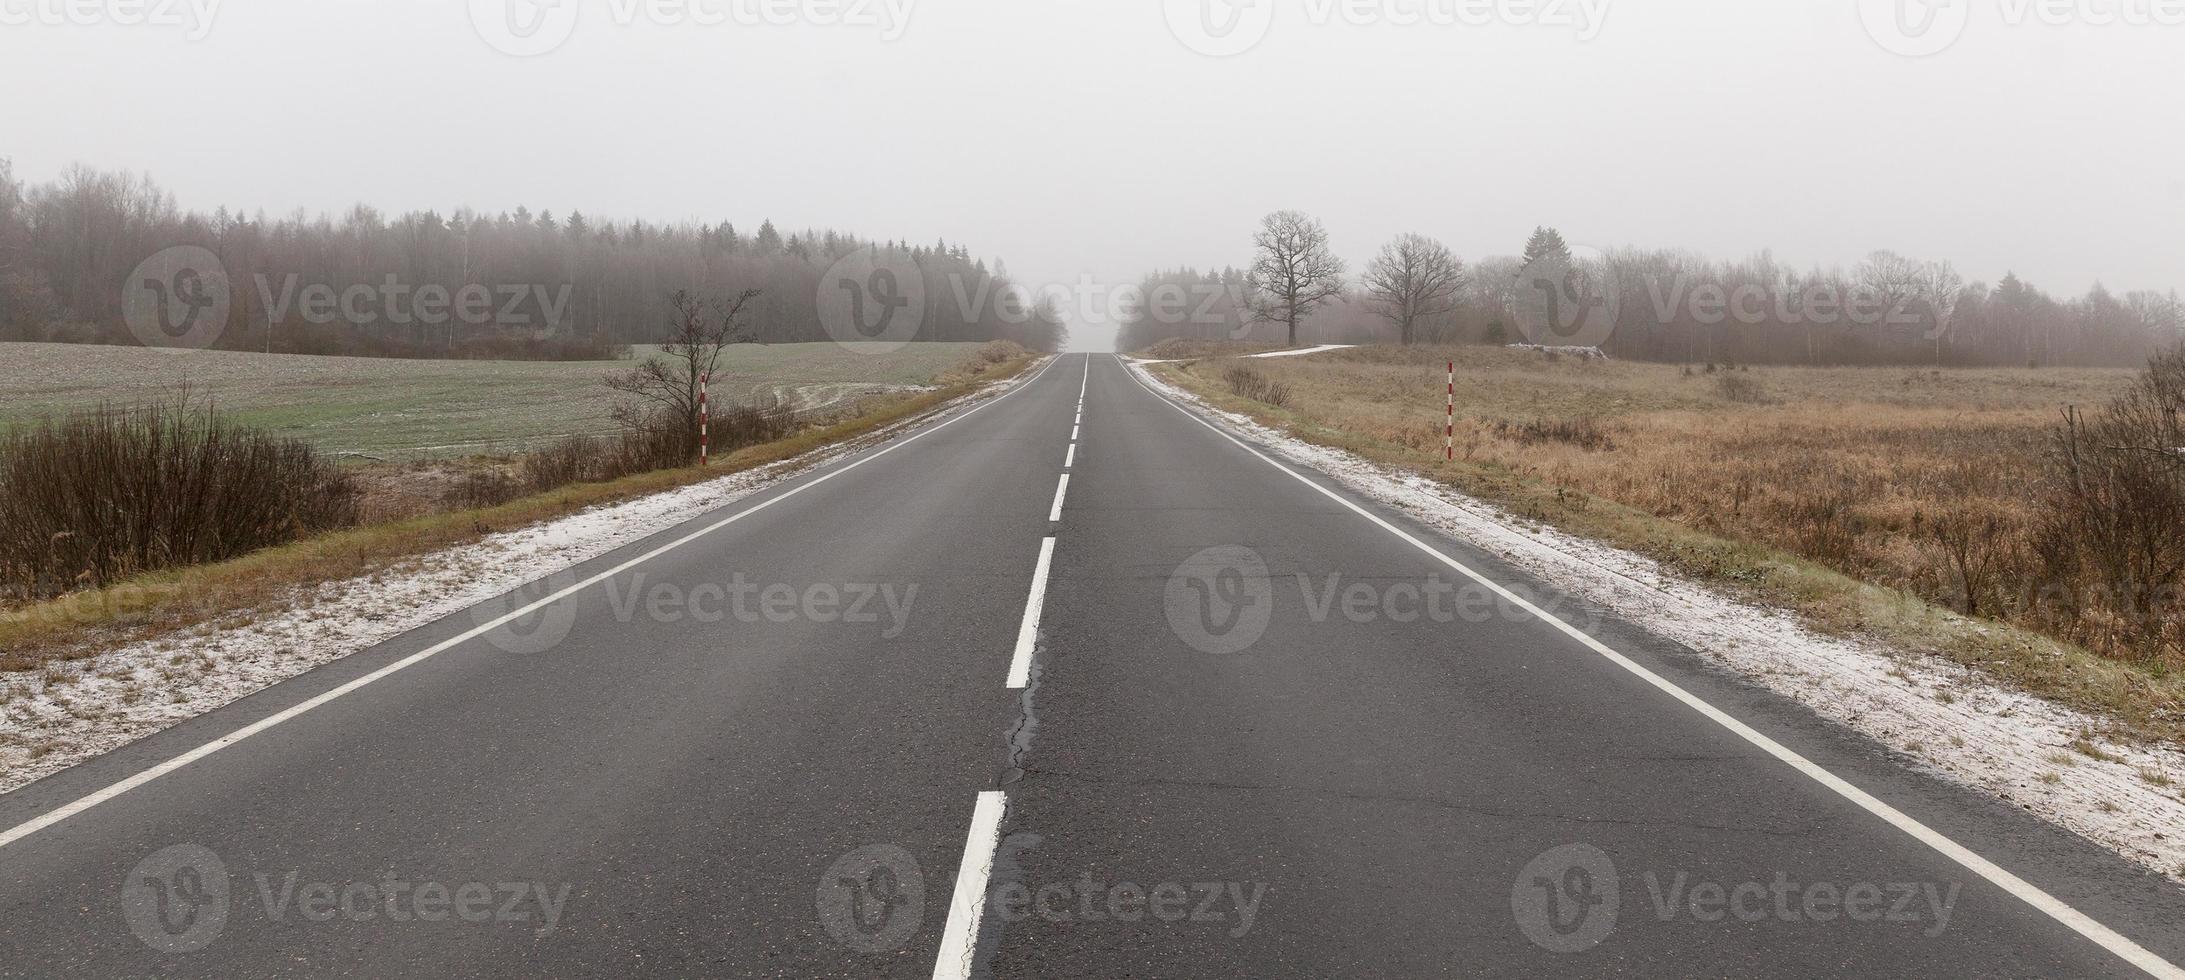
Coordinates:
x,y
486,488
1740,389
2116,512
1585,433
99,496
659,442
990,355
1247,383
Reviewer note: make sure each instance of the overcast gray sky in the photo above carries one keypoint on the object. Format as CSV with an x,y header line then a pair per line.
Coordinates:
x,y
1095,138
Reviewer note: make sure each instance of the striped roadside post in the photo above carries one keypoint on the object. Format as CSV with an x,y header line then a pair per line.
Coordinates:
x,y
1449,428
705,383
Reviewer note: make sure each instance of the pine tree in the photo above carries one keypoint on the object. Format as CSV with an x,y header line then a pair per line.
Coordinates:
x,y
1544,243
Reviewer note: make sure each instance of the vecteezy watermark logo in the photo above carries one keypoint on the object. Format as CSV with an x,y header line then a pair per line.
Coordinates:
x,y
394,302
194,15
872,300
177,298
523,28
1220,28
1915,28
750,602
1086,901
180,898
532,27
1567,300
1819,304
873,899
176,900
1219,601
512,628
1566,900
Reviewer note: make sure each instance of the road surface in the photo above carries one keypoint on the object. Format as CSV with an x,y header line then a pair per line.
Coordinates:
x,y
935,711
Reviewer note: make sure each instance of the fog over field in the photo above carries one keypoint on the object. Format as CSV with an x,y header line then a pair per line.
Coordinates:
x,y
1092,488
1086,143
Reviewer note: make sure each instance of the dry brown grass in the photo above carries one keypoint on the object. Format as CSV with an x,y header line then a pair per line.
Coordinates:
x,y
1176,348
45,635
1870,499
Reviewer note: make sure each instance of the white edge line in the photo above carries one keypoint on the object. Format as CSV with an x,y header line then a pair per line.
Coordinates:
x,y
86,802
1062,489
2077,921
1020,662
962,931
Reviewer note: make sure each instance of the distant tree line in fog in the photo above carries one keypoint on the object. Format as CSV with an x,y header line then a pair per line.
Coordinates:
x,y
554,284
1654,304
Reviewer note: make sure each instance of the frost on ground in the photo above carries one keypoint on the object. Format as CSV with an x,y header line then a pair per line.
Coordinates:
x,y
1302,351
53,720
2020,748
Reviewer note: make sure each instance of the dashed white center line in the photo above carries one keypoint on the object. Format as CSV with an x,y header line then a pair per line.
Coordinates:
x,y
1062,489
1071,459
1020,662
962,931
1073,433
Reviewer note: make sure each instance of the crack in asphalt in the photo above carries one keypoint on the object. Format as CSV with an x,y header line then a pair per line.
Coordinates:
x,y
1004,869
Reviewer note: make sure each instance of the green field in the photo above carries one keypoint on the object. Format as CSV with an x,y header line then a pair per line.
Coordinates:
x,y
386,406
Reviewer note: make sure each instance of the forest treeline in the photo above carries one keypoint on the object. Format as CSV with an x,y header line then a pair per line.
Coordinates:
x,y
1660,305
463,284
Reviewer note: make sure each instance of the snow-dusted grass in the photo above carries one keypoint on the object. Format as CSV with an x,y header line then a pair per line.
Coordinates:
x,y
74,711
2020,748
428,408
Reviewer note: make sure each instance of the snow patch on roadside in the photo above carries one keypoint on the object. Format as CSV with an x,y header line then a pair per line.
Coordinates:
x,y
1302,351
51,721
1955,721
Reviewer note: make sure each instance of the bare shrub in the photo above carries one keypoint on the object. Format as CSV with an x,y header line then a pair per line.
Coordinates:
x,y
1977,545
657,442
2116,508
102,495
1824,524
485,488
569,460
1740,389
671,386
1247,383
998,352
1583,432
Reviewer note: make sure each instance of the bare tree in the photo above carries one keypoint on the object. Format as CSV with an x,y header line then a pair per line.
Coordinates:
x,y
1414,278
1941,287
1295,272
665,387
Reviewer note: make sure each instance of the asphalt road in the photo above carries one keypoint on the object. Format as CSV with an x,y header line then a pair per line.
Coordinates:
x,y
1262,733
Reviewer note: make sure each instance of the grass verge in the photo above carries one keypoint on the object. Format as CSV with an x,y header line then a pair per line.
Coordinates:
x,y
2141,703
232,593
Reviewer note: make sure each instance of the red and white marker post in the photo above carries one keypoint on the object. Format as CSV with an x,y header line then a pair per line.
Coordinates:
x,y
1449,430
705,383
